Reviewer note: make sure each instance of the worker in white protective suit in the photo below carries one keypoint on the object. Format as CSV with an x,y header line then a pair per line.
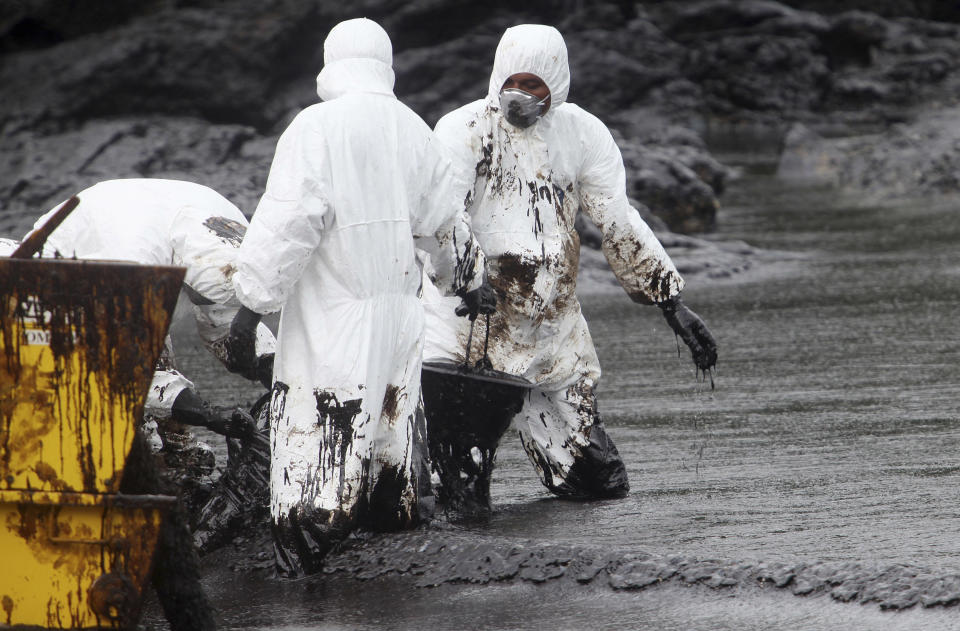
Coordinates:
x,y
356,185
529,161
169,222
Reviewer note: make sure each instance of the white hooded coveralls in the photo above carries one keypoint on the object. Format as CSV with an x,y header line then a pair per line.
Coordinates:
x,y
164,222
357,184
523,189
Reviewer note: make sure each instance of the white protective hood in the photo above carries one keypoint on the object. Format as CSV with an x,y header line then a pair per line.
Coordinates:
x,y
357,57
533,48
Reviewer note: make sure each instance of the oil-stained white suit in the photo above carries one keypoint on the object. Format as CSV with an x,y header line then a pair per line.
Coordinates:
x,y
357,184
523,189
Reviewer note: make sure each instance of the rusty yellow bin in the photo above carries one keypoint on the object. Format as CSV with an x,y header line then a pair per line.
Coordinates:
x,y
78,343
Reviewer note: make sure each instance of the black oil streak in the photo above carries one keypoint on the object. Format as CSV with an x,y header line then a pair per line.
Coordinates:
x,y
336,421
229,230
278,406
558,195
465,266
661,283
391,401
486,159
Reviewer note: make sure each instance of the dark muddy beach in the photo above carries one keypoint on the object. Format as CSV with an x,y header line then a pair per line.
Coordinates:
x,y
814,488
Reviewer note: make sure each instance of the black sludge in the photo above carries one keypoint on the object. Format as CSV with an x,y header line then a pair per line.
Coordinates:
x,y
463,414
241,498
383,509
303,538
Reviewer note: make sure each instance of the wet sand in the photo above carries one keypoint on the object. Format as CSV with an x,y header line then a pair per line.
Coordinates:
x,y
824,464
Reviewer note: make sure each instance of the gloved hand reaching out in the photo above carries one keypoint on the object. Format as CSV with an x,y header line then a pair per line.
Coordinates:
x,y
188,408
483,299
691,329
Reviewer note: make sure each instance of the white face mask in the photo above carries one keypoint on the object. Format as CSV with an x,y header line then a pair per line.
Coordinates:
x,y
521,109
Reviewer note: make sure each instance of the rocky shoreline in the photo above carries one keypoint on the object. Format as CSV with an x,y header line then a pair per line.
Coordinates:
x,y
200,90
916,160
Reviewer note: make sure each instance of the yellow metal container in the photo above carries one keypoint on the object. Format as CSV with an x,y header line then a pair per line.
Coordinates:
x,y
78,345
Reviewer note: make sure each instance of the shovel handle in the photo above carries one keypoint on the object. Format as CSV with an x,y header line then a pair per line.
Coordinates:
x,y
486,339
466,358
34,242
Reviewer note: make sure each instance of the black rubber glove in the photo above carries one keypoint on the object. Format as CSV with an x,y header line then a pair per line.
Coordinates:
x,y
240,345
691,329
483,299
189,409
265,370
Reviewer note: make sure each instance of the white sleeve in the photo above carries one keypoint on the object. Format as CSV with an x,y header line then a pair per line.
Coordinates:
x,y
460,137
636,256
287,225
442,228
167,384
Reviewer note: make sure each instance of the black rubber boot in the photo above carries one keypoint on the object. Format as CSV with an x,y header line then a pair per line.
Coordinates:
x,y
598,473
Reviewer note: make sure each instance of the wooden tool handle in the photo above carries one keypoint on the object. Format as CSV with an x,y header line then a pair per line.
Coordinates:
x,y
34,243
